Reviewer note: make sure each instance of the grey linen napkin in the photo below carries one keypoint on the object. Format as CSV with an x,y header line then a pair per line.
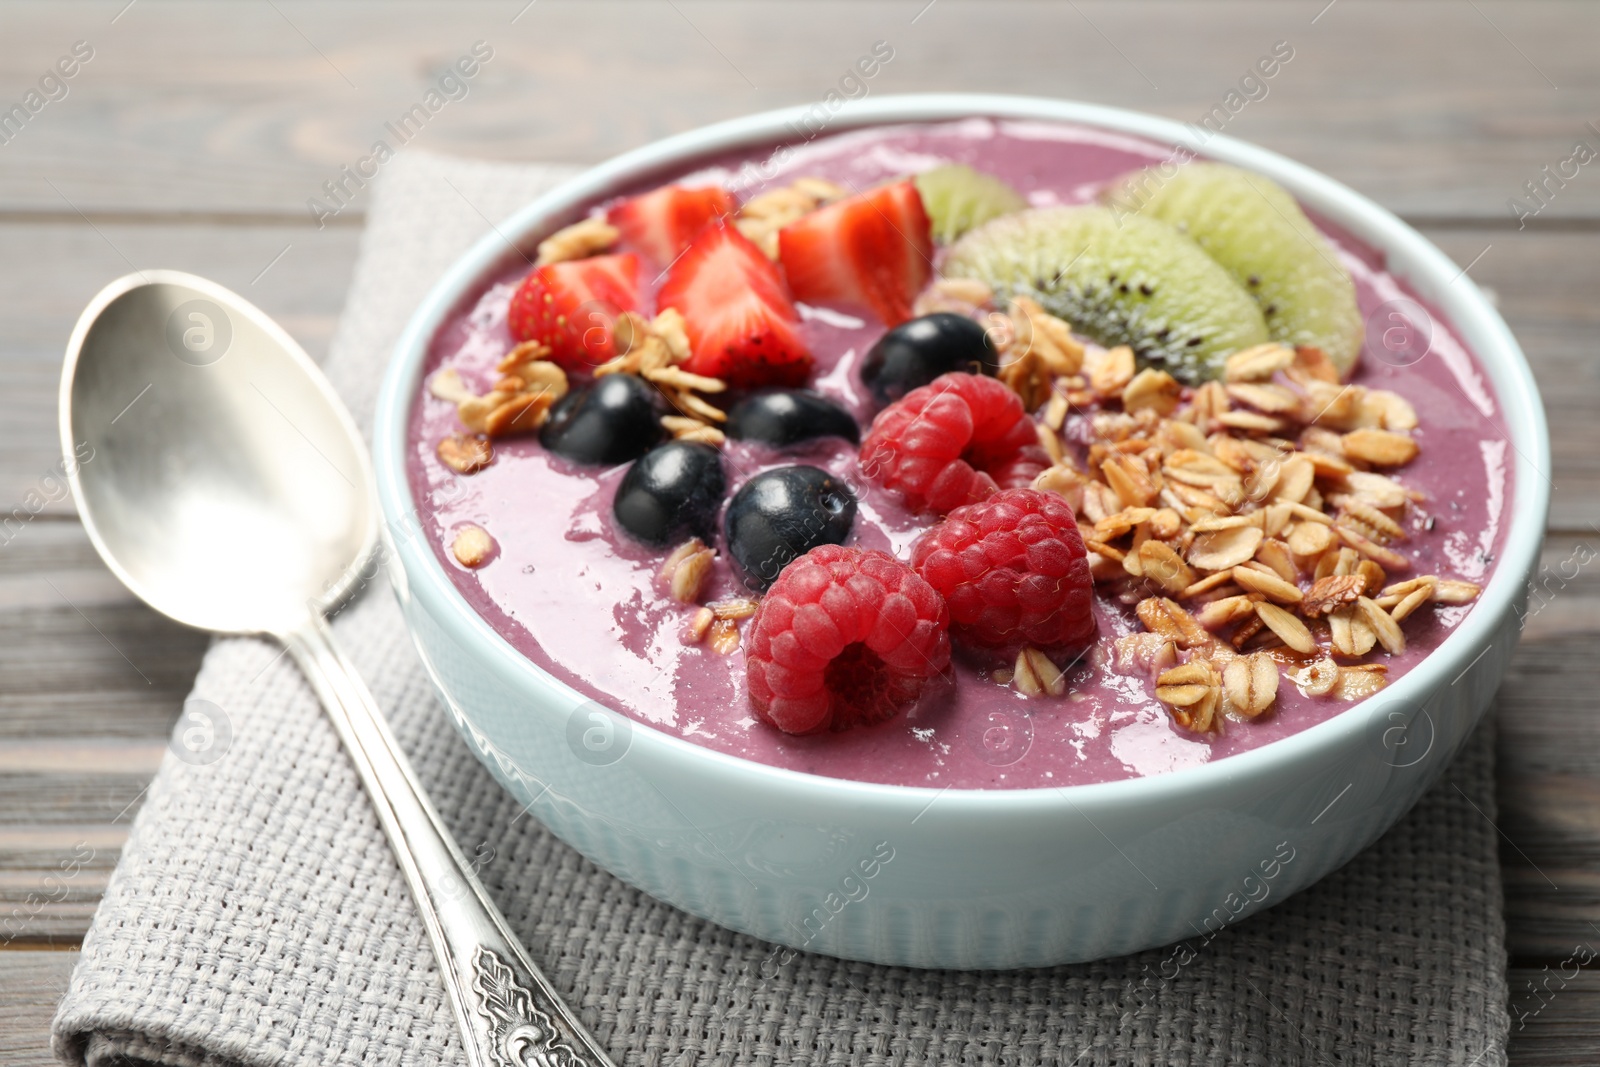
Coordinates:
x,y
257,917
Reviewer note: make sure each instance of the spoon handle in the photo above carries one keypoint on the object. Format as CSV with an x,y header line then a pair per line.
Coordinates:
x,y
509,1014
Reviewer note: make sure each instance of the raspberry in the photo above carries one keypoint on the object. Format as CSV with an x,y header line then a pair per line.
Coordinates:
x,y
844,637
1013,571
954,441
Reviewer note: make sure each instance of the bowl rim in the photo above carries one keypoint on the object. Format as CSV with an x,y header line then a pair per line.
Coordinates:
x,y
1494,351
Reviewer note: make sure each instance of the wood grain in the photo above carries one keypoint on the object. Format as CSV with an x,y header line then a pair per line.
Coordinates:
x,y
1544,283
32,981
298,278
1549,761
197,132
1555,1015
79,656
205,108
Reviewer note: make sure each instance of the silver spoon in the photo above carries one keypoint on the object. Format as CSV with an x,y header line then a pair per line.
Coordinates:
x,y
222,480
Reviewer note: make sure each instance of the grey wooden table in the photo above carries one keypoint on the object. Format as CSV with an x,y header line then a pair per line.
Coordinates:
x,y
194,135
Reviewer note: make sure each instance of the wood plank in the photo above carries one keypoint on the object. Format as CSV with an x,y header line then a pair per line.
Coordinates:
x,y
155,122
53,875
79,655
297,277
81,755
90,684
1548,765
1544,281
1542,285
1555,1014
33,981
65,800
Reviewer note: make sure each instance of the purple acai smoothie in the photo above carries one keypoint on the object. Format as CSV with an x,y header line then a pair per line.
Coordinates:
x,y
583,600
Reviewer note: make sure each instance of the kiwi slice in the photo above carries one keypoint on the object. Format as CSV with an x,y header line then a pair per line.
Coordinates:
x,y
1123,281
957,198
1256,230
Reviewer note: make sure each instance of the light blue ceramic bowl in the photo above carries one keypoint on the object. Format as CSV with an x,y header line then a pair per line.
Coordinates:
x,y
963,878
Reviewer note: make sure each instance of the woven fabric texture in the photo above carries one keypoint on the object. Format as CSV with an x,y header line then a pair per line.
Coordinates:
x,y
257,917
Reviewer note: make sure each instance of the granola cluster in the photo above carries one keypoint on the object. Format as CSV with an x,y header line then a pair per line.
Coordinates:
x,y
717,623
585,238
653,349
1253,523
528,387
761,217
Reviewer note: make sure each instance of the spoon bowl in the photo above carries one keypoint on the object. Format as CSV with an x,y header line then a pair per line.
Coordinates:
x,y
216,471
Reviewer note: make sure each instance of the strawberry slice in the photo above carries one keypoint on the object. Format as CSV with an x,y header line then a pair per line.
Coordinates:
x,y
662,222
742,326
873,250
571,307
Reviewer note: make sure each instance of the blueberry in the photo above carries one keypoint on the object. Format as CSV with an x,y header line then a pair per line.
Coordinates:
x,y
612,421
780,515
918,351
789,416
671,492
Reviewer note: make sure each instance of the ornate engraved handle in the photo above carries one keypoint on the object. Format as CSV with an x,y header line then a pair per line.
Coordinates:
x,y
508,1012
